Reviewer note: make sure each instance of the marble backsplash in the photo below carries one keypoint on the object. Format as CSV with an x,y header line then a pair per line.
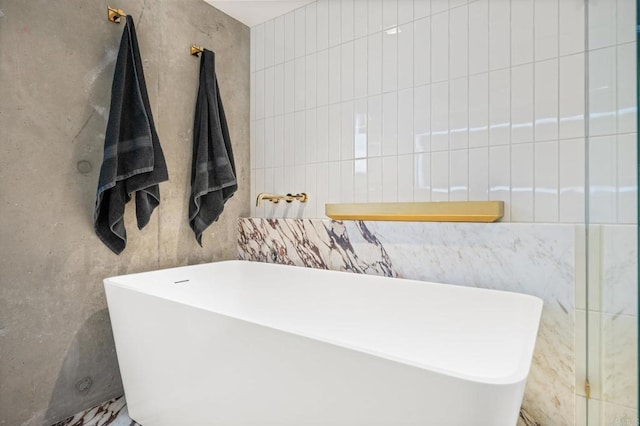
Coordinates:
x,y
536,259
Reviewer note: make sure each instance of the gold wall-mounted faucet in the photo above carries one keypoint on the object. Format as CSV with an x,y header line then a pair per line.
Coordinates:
x,y
275,198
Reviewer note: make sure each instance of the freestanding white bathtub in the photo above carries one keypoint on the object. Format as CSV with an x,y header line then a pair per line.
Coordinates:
x,y
244,343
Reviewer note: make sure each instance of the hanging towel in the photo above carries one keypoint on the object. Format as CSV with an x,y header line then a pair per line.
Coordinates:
x,y
213,172
133,160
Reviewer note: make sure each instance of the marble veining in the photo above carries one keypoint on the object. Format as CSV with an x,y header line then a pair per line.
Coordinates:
x,y
113,413
536,259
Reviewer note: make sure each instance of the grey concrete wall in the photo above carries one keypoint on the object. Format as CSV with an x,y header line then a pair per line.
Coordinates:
x,y
56,66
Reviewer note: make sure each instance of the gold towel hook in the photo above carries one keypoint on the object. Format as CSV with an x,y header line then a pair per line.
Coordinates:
x,y
196,50
114,15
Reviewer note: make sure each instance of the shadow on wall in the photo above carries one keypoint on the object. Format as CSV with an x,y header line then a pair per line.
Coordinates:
x,y
90,373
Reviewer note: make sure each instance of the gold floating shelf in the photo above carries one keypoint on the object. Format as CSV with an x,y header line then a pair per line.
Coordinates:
x,y
446,211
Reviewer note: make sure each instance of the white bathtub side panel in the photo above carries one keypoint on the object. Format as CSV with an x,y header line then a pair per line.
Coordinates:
x,y
182,365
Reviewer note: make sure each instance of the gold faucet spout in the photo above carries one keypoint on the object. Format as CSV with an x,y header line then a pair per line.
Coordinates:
x,y
274,198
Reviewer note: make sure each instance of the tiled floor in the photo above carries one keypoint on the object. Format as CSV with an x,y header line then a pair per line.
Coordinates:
x,y
112,413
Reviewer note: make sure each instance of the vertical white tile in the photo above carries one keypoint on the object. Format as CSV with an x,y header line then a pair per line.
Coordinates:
x,y
268,187
259,187
478,174
546,29
456,3
389,14
422,119
602,92
335,132
311,133
422,176
440,47
259,152
627,179
389,179
346,16
360,177
360,128
311,188
254,194
347,132
521,32
405,11
269,43
626,21
299,135
334,74
360,23
260,43
390,124
269,82
499,34
571,181
422,51
627,88
322,126
335,23
322,24
571,31
322,188
374,180
389,61
278,89
458,42
300,32
252,145
572,99
440,176
479,110
421,8
334,182
546,100
268,142
546,181
478,36
311,32
438,6
322,77
289,36
289,139
374,67
405,56
375,16
459,175
405,178
459,114
311,84
299,181
405,121
346,181
360,67
499,107
522,182
259,94
522,103
300,77
346,73
602,24
499,177
252,49
289,87
440,116
374,126
278,141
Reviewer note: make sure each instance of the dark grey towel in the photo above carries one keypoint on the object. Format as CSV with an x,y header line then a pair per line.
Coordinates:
x,y
133,160
213,172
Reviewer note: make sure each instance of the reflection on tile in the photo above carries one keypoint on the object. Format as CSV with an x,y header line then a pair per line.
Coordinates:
x,y
526,258
619,269
619,369
113,413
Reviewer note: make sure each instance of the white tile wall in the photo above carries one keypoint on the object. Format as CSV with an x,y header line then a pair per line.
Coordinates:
x,y
401,100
